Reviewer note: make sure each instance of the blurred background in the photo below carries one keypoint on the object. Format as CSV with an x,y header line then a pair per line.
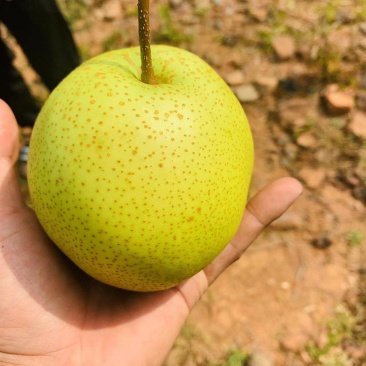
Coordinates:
x,y
298,296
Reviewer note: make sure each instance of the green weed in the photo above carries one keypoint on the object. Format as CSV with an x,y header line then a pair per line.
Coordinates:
x,y
201,12
133,12
340,329
84,52
168,32
354,238
237,358
113,41
73,10
188,332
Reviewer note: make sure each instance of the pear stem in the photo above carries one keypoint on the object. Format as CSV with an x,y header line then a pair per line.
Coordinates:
x,y
147,70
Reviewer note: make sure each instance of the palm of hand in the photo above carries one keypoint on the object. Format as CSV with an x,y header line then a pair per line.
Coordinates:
x,y
53,314
63,316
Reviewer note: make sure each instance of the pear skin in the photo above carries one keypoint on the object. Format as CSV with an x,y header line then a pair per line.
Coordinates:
x,y
140,185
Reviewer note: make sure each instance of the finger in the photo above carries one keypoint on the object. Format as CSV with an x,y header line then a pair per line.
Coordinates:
x,y
9,134
10,196
266,206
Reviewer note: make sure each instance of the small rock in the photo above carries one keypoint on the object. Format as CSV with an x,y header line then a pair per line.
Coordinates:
x,y
229,10
288,221
203,4
362,43
305,49
230,40
357,353
235,59
360,169
294,342
259,14
246,93
359,193
175,3
290,151
349,177
313,178
333,280
337,102
344,16
321,243
112,10
98,13
213,59
218,24
357,125
362,28
285,285
305,357
281,137
299,331
260,358
307,140
341,39
284,47
361,101
234,78
266,84
290,110
300,79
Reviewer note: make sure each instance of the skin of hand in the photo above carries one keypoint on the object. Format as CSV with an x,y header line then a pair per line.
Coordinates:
x,y
54,314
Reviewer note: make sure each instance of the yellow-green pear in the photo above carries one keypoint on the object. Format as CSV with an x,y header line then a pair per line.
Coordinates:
x,y
141,185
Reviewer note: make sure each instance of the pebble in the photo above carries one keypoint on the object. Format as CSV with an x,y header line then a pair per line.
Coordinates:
x,y
284,47
337,102
230,40
361,101
362,43
290,151
235,78
299,332
259,14
300,79
321,243
235,59
359,193
291,110
313,178
362,28
260,358
112,10
362,81
307,140
246,93
360,170
203,4
175,3
266,84
357,125
341,39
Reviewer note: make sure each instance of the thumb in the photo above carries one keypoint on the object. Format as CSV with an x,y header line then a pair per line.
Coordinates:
x,y
10,196
9,134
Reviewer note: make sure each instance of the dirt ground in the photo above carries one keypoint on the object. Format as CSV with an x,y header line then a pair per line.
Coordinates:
x,y
298,296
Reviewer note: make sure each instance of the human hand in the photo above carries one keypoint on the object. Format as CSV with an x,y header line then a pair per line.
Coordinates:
x,y
54,314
